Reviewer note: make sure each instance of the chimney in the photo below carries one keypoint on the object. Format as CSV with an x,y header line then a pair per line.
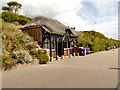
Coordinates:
x,y
68,27
74,28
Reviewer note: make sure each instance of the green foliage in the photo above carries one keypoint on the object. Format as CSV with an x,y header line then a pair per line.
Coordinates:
x,y
32,45
8,62
96,41
4,8
43,58
18,47
35,51
13,17
12,6
22,56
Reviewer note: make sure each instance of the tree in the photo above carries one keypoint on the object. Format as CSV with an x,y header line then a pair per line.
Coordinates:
x,y
13,6
13,17
7,9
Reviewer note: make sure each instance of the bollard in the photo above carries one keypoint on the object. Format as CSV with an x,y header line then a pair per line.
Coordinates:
x,y
57,57
62,57
74,54
51,59
70,55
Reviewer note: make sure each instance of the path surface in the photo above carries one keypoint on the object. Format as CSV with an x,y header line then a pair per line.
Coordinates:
x,y
92,71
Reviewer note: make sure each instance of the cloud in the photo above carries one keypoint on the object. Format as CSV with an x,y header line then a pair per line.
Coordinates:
x,y
108,20
49,8
76,14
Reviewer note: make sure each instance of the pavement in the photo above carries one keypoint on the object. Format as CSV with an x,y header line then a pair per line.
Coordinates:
x,y
98,70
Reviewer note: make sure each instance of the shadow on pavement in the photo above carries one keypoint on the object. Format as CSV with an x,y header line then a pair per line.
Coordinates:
x,y
115,68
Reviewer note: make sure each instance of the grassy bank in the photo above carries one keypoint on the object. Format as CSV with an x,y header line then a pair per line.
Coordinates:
x,y
96,41
18,47
15,18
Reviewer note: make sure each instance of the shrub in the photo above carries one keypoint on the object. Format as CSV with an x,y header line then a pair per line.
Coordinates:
x,y
95,41
13,17
3,49
32,45
28,58
35,51
23,56
8,62
25,39
18,47
43,58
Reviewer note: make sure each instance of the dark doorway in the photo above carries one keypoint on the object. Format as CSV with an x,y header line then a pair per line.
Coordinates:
x,y
59,49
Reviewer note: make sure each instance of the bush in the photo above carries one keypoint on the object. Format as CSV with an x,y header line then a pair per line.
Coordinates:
x,y
3,49
43,58
95,41
13,17
32,45
8,62
25,39
23,56
35,51
18,47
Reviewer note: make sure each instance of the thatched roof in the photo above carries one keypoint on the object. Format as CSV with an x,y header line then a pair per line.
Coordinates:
x,y
50,25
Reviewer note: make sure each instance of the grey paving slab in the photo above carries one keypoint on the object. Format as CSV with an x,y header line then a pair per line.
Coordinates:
x,y
97,70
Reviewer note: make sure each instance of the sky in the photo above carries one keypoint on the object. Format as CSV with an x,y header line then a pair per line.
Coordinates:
x,y
84,15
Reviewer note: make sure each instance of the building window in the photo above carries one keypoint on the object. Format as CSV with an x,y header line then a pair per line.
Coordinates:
x,y
46,44
65,44
53,44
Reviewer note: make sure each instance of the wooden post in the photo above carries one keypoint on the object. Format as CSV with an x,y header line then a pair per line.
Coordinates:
x,y
77,48
42,38
50,48
62,56
70,50
73,48
56,49
63,48
67,47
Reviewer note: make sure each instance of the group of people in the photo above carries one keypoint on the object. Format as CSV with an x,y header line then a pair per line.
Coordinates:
x,y
114,47
108,48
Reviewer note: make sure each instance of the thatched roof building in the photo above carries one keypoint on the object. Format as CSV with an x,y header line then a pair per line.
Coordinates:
x,y
53,35
50,25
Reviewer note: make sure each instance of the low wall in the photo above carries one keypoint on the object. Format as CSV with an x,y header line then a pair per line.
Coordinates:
x,y
47,52
66,52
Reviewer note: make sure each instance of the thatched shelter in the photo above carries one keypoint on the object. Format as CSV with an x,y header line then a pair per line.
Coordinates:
x,y
52,35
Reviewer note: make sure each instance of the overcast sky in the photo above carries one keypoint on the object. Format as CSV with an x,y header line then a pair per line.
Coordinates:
x,y
84,15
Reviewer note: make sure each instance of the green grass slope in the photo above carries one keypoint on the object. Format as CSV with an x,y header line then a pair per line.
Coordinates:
x,y
13,17
96,41
18,47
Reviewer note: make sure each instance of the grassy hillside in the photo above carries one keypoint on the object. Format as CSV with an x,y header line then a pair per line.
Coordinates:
x,y
15,18
96,41
18,47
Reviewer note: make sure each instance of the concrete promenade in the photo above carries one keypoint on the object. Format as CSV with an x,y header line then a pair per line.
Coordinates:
x,y
98,70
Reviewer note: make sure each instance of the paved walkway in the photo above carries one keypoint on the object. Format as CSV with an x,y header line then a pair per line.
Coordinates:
x,y
97,70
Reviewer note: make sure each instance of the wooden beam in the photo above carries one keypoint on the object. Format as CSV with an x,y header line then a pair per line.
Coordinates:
x,y
62,55
77,45
56,40
77,48
50,48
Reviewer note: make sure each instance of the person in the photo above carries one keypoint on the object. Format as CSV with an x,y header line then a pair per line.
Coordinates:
x,y
107,48
113,47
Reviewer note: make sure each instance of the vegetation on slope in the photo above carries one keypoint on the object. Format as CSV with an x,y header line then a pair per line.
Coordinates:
x,y
12,6
10,13
15,18
96,41
18,47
